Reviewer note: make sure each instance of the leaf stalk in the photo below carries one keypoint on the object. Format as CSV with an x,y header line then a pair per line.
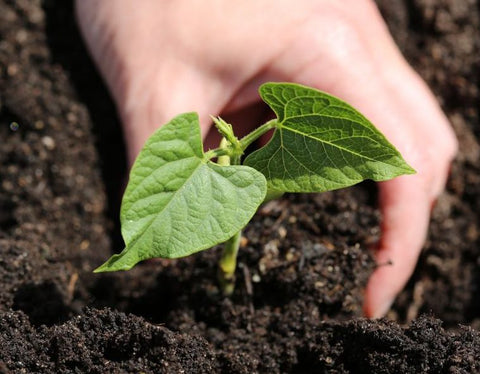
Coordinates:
x,y
237,148
257,133
228,264
228,261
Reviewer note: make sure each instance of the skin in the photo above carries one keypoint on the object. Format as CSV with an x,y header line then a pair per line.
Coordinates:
x,y
162,58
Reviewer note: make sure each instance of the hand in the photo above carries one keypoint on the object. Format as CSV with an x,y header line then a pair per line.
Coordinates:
x,y
161,58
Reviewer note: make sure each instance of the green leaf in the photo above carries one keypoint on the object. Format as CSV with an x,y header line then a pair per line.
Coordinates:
x,y
321,143
177,202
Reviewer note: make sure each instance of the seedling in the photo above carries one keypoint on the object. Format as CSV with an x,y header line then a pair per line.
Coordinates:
x,y
179,201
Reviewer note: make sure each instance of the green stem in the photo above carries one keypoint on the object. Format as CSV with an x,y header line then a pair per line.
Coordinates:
x,y
229,153
236,150
223,159
217,152
257,133
228,264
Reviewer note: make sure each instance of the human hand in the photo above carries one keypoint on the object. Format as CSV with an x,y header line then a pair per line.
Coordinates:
x,y
162,58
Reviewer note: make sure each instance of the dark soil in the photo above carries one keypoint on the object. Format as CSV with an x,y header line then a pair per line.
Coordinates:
x,y
305,261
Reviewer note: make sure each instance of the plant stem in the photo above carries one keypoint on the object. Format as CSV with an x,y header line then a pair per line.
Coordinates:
x,y
217,152
258,132
223,158
228,264
228,150
229,153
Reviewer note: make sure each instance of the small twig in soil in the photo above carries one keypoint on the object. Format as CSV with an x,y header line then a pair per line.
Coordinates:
x,y
71,285
248,286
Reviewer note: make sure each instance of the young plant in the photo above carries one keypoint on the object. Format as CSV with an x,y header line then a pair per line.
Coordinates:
x,y
179,202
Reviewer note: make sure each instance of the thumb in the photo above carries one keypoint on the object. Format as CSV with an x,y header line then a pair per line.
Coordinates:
x,y
151,100
149,82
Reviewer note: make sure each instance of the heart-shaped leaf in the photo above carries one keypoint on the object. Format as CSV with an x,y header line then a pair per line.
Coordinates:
x,y
321,143
177,202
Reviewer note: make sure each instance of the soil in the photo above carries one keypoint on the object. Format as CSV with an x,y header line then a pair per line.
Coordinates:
x,y
304,262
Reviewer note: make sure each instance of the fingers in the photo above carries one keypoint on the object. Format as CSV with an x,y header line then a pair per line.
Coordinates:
x,y
406,202
427,142
155,98
376,79
405,205
148,80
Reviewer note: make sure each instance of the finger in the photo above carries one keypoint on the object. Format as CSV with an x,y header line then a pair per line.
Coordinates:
x,y
149,84
406,208
154,99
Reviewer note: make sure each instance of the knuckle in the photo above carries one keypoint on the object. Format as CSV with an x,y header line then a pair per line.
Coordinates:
x,y
434,166
451,147
333,27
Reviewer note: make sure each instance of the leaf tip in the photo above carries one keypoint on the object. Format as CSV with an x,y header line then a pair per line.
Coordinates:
x,y
114,263
406,168
102,268
410,170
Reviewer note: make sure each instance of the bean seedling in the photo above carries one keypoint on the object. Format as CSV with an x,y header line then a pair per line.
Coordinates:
x,y
178,201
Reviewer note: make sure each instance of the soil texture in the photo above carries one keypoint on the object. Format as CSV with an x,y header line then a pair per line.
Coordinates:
x,y
304,261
